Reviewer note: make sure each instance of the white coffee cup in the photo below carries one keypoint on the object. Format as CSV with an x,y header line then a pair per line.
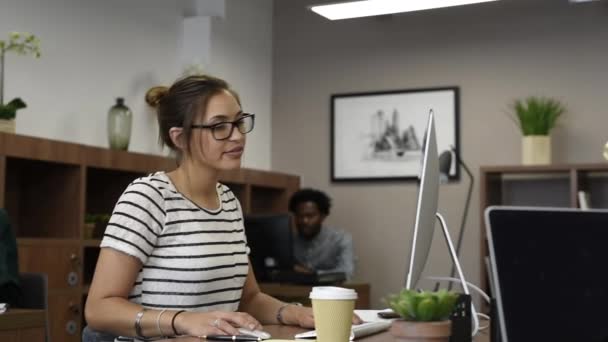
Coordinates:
x,y
333,309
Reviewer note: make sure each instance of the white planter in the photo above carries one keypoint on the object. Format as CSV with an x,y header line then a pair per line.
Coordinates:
x,y
536,150
7,126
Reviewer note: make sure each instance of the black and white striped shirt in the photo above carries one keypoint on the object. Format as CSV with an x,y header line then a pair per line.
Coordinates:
x,y
193,258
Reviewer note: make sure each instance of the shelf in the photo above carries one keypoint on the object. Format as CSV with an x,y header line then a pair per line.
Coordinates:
x,y
26,181
48,187
91,243
46,241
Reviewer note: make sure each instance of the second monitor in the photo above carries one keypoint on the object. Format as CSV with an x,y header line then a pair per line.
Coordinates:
x,y
270,239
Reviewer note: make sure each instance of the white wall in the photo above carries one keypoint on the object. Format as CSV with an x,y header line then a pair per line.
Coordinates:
x,y
94,51
241,51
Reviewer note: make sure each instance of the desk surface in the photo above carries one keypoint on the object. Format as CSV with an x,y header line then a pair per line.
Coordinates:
x,y
22,319
287,332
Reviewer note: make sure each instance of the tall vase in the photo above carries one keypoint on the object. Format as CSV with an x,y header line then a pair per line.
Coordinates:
x,y
536,150
119,125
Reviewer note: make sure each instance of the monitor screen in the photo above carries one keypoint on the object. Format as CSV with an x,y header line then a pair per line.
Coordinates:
x,y
270,240
548,269
426,207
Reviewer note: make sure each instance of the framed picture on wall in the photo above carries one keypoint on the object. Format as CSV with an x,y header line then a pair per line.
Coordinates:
x,y
379,135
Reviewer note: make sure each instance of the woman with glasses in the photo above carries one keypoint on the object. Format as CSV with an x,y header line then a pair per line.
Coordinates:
x,y
174,260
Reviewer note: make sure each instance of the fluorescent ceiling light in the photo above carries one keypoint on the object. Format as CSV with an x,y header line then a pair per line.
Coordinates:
x,y
366,8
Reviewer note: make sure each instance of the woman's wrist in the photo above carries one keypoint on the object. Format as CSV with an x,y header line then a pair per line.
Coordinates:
x,y
287,313
177,323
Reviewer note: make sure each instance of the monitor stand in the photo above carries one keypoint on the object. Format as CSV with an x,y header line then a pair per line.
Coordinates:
x,y
454,256
448,240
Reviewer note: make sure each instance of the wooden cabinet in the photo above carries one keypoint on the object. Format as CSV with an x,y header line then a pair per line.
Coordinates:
x,y
48,187
22,325
542,186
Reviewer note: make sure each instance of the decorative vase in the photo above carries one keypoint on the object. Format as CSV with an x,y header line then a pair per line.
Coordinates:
x,y
7,126
409,331
119,125
536,150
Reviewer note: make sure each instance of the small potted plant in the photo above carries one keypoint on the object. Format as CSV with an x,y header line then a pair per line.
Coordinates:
x,y
21,44
536,117
425,316
95,225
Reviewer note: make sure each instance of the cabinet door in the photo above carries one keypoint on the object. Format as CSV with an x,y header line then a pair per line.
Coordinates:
x,y
9,336
60,261
64,316
31,335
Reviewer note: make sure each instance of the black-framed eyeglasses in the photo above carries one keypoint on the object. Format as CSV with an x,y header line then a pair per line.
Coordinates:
x,y
223,130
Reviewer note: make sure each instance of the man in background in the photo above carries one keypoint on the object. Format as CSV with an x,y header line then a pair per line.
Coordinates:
x,y
318,248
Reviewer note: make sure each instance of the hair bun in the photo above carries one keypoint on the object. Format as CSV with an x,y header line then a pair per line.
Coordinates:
x,y
155,94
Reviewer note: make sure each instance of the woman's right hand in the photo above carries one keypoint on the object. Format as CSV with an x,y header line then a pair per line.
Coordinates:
x,y
214,323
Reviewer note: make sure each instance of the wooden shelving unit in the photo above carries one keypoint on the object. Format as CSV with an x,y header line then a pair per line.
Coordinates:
x,y
542,186
48,187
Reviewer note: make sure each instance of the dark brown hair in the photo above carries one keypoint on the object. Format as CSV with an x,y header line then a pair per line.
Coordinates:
x,y
178,105
318,197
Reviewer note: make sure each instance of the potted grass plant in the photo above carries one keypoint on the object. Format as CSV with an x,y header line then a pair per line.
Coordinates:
x,y
536,117
425,316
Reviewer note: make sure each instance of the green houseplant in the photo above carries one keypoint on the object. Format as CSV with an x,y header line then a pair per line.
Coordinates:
x,y
536,117
21,44
424,315
95,225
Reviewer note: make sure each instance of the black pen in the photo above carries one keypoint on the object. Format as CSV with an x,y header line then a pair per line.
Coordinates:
x,y
243,338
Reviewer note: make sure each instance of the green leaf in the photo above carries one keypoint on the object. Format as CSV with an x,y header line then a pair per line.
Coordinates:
x,y
7,112
17,103
537,115
426,309
446,304
423,306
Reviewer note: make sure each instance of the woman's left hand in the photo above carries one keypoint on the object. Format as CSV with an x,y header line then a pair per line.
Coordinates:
x,y
303,316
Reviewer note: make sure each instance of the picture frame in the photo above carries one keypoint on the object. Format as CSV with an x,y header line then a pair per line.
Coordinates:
x,y
378,136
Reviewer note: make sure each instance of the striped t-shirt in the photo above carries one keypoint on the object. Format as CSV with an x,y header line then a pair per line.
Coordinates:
x,y
193,258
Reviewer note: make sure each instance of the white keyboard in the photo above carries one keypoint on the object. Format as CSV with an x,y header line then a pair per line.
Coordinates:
x,y
358,330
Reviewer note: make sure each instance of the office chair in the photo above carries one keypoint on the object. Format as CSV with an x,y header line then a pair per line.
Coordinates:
x,y
34,287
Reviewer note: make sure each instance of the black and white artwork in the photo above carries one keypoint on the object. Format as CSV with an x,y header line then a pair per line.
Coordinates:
x,y
379,135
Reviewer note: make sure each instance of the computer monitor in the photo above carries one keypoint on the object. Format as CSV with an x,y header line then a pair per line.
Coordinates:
x,y
548,273
270,240
426,207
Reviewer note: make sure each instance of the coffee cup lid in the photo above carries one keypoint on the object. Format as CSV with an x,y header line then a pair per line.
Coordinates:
x,y
332,292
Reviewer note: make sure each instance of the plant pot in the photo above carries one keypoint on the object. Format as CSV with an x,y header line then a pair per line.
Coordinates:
x,y
409,331
536,150
7,126
88,230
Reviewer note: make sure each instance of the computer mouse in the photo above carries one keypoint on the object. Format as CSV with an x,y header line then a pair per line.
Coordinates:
x,y
257,333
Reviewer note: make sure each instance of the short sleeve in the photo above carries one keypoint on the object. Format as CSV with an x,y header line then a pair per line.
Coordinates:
x,y
240,213
137,220
237,210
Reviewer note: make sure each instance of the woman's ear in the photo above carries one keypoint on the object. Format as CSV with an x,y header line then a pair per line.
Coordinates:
x,y
177,137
